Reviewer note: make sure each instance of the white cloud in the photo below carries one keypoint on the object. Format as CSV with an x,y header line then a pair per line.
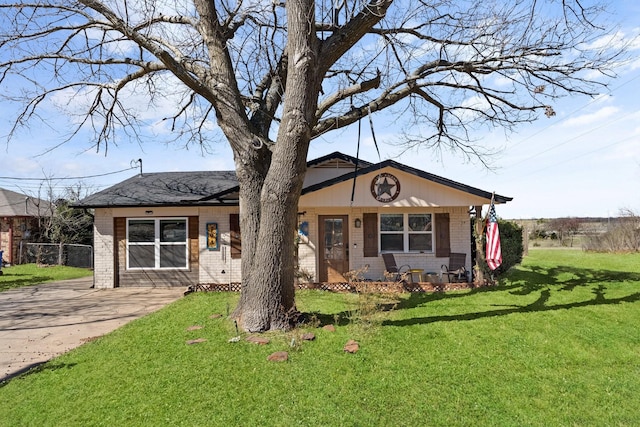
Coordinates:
x,y
502,81
112,43
635,64
594,118
614,40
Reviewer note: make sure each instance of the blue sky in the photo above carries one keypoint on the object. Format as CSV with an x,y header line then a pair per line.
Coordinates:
x,y
585,161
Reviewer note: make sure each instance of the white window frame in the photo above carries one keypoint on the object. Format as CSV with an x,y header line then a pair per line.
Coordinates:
x,y
406,232
157,243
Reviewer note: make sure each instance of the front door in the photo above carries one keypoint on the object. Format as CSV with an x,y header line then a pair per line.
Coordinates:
x,y
334,247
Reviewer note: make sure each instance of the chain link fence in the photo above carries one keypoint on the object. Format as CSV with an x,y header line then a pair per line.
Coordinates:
x,y
73,255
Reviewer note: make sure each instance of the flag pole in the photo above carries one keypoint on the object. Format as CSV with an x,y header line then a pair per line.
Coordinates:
x,y
491,206
493,252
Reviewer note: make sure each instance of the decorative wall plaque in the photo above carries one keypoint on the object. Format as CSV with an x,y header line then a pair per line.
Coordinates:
x,y
385,187
212,236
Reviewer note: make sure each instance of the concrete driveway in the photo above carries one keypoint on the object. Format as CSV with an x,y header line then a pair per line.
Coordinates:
x,y
38,323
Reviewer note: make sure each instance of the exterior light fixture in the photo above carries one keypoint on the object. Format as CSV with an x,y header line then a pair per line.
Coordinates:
x,y
358,223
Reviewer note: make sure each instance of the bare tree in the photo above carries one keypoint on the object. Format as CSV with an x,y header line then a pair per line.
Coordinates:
x,y
58,221
275,75
566,228
69,224
621,235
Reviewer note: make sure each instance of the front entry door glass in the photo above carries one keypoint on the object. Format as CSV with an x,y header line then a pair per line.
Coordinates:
x,y
335,248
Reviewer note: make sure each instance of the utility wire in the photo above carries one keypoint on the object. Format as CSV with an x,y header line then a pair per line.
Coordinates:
x,y
565,161
570,140
570,115
71,177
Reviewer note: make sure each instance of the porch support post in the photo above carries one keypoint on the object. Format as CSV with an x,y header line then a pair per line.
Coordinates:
x,y
478,233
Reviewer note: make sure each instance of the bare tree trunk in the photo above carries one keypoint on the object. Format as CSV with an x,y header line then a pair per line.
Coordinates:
x,y
268,295
267,299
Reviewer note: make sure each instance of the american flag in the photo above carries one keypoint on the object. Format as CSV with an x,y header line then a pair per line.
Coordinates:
x,y
493,251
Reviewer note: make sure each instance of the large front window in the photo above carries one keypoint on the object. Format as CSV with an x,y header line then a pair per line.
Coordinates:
x,y
157,243
406,233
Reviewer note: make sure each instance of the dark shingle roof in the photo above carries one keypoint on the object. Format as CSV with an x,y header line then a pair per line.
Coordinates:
x,y
164,189
216,188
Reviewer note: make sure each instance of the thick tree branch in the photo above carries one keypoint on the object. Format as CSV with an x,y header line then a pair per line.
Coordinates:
x,y
346,36
227,101
148,44
345,93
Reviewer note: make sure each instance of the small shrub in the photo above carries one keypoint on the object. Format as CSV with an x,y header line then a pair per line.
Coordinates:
x,y
356,275
511,243
512,246
303,276
367,308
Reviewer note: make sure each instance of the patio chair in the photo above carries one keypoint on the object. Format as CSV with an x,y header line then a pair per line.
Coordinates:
x,y
456,270
392,268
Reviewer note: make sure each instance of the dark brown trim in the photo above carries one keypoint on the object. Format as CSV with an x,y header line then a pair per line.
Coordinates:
x,y
236,237
370,230
443,239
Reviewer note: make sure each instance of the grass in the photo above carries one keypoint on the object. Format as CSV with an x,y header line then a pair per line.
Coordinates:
x,y
556,343
17,276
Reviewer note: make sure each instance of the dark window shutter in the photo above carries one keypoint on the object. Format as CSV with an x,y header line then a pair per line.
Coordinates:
x,y
236,241
443,242
193,241
370,224
119,248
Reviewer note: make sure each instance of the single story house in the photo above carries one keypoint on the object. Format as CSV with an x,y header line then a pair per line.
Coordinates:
x,y
21,217
182,228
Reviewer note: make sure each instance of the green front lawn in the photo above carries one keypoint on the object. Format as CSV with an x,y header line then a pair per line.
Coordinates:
x,y
556,343
17,276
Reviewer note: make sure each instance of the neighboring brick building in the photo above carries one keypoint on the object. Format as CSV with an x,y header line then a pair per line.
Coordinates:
x,y
20,219
181,228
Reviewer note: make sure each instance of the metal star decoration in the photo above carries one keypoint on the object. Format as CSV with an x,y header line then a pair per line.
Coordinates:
x,y
385,187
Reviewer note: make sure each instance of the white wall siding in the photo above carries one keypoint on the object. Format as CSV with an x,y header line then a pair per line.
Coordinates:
x,y
414,192
216,266
307,246
103,241
317,175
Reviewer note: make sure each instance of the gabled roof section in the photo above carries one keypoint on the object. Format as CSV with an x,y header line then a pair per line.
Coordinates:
x,y
164,189
413,171
330,161
337,158
16,204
